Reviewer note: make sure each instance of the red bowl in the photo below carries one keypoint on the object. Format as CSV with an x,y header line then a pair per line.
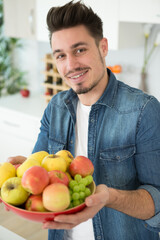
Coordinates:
x,y
46,216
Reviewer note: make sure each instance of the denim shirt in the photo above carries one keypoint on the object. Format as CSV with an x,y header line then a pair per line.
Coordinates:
x,y
124,146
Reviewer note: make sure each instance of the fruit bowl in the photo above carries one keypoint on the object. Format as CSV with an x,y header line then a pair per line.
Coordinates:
x,y
46,216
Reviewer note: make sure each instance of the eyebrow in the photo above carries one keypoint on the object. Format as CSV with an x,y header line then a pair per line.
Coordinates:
x,y
75,45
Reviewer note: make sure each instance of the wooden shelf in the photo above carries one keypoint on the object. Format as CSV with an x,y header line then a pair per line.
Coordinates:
x,y
53,82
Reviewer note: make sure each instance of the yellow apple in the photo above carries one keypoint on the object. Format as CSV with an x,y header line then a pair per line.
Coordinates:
x,y
7,170
39,156
25,165
13,193
66,155
54,162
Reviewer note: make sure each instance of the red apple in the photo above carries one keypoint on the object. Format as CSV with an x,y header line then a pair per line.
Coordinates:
x,y
35,179
81,165
34,203
25,92
56,197
57,176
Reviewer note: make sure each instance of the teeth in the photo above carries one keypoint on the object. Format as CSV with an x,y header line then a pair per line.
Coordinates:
x,y
77,76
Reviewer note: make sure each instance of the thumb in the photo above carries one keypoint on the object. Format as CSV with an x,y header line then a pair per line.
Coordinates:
x,y
100,197
93,200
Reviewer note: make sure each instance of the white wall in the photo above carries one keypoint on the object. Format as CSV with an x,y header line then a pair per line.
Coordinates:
x,y
30,58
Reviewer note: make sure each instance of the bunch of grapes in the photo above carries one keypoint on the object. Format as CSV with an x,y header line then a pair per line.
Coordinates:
x,y
79,189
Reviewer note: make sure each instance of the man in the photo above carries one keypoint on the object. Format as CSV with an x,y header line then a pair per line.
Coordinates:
x,y
116,126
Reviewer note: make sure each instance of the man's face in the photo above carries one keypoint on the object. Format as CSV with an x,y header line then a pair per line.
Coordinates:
x,y
80,62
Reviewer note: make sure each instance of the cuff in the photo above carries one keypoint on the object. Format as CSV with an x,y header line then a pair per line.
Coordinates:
x,y
153,223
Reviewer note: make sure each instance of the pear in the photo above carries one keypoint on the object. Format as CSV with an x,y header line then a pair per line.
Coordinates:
x,y
39,156
29,162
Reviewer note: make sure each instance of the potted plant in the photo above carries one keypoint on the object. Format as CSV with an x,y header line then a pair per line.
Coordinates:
x,y
11,78
148,53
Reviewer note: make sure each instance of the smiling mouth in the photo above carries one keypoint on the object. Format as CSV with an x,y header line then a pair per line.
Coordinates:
x,y
79,75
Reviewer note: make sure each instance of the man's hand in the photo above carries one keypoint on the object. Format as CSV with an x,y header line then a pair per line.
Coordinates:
x,y
16,160
94,204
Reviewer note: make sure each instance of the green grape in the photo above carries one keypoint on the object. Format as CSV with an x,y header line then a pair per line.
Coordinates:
x,y
81,201
89,179
82,187
70,205
82,195
70,191
76,203
87,192
72,183
75,196
76,188
84,181
77,177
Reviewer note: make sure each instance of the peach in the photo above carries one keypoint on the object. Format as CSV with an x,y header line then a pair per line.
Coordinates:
x,y
35,179
81,165
56,197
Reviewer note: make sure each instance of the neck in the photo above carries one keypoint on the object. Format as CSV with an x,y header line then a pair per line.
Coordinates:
x,y
92,96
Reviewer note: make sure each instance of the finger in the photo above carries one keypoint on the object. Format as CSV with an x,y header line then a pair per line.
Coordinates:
x,y
16,160
56,225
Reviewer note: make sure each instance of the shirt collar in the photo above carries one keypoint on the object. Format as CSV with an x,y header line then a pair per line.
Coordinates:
x,y
107,98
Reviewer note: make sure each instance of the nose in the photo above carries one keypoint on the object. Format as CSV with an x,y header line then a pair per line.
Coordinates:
x,y
72,63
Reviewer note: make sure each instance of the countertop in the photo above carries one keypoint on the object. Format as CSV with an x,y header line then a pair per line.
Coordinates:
x,y
34,105
8,235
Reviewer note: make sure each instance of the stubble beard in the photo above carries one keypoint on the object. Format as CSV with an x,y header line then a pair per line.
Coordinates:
x,y
83,90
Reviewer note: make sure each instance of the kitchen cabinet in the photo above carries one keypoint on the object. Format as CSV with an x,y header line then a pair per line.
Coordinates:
x,y
121,19
27,19
143,11
19,125
19,18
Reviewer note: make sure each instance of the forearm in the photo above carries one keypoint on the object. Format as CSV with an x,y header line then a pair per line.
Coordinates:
x,y
136,203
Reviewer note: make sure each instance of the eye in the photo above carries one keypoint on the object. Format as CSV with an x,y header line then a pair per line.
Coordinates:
x,y
81,50
60,56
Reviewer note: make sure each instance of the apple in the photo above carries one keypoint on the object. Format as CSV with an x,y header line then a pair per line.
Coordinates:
x,y
7,170
66,155
12,191
25,92
57,176
35,179
81,165
56,197
25,165
54,162
34,203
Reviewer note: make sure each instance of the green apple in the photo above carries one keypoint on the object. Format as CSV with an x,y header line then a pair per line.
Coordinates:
x,y
12,191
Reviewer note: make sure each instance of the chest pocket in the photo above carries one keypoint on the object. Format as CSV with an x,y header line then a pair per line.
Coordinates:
x,y
118,166
55,146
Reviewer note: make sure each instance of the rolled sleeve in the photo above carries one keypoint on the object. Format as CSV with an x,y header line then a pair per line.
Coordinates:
x,y
154,222
148,158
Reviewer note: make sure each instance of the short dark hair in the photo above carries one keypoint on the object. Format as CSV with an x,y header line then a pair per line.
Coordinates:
x,y
74,14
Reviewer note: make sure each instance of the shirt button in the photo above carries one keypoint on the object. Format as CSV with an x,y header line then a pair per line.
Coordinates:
x,y
71,141
92,120
98,237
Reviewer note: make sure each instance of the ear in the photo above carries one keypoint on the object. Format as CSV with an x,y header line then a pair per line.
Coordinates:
x,y
103,45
